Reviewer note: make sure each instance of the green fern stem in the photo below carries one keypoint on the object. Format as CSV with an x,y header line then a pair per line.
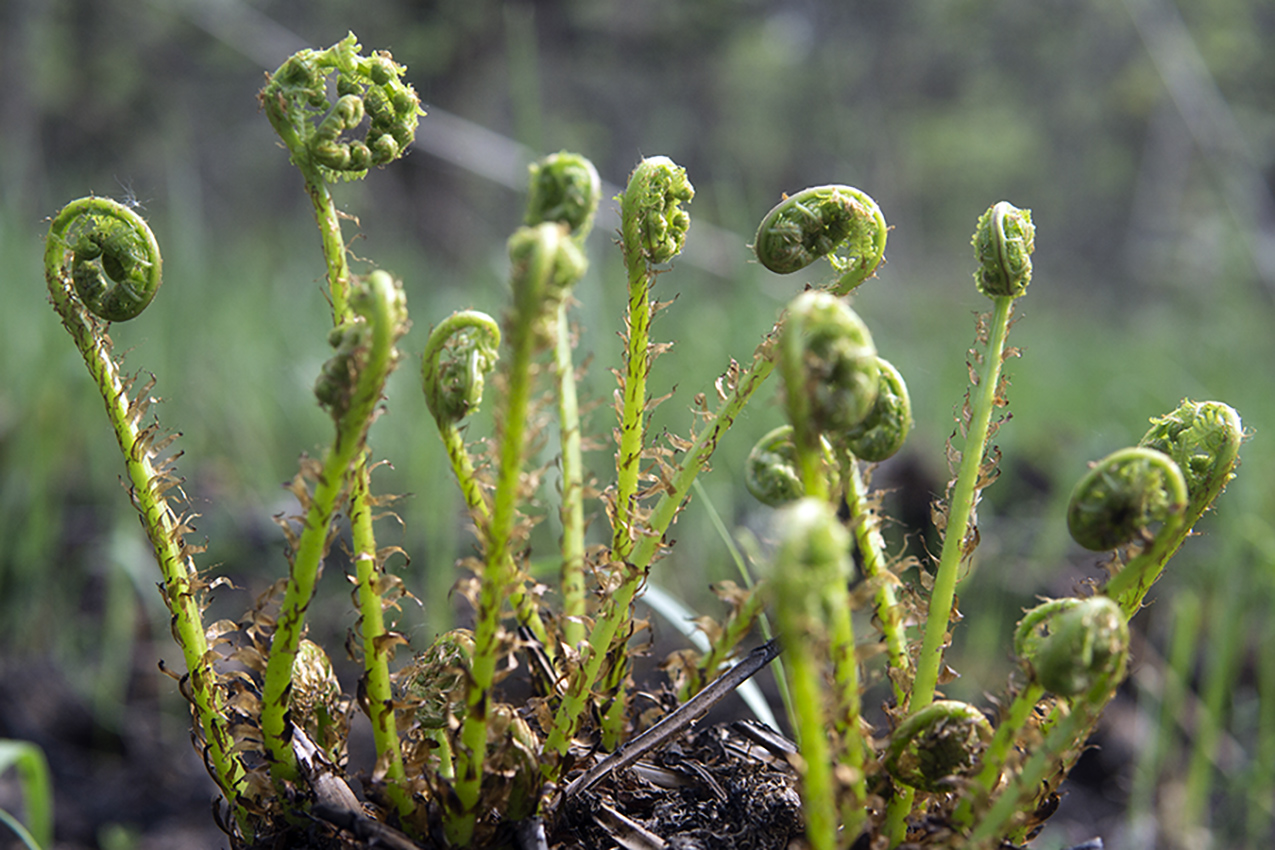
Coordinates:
x,y
164,527
1062,739
867,533
742,387
805,680
385,319
378,643
572,509
845,677
652,231
960,510
544,259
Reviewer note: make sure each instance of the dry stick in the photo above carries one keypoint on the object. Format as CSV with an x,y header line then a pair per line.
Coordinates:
x,y
677,720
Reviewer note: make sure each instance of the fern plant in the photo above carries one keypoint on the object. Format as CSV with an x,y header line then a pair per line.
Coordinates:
x,y
459,765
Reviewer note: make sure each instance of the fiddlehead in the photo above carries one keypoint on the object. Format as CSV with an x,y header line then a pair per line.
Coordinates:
x,y
1122,496
653,230
350,387
1004,241
938,746
565,188
886,427
111,255
89,236
1069,645
653,222
831,377
545,262
458,356
818,222
770,472
318,132
1204,439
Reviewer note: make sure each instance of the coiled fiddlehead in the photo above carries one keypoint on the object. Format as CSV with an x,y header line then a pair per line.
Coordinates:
x,y
110,254
369,90
565,188
352,388
770,473
886,427
1204,439
831,377
1071,644
818,222
458,356
1122,496
653,222
1004,241
938,746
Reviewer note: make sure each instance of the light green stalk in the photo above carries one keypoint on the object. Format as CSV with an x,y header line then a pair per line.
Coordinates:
x,y
378,643
867,532
369,346
956,545
572,510
372,101
565,188
99,221
544,261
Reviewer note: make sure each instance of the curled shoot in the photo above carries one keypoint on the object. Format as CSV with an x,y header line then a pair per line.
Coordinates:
x,y
1004,241
1007,248
459,354
936,748
565,188
321,134
770,472
831,378
1069,645
820,222
545,263
114,262
653,229
885,429
1122,496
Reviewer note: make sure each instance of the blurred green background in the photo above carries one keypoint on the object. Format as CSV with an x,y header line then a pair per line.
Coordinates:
x,y
1140,132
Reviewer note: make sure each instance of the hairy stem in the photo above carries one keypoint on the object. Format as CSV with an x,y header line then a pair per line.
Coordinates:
x,y
383,327
148,486
572,509
378,644
866,526
961,510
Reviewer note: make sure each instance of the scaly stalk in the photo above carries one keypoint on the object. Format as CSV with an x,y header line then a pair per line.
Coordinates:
x,y
102,264
378,643
1003,241
351,388
545,261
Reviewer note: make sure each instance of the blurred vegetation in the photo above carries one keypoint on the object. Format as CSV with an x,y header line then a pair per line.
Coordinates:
x,y
1144,143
